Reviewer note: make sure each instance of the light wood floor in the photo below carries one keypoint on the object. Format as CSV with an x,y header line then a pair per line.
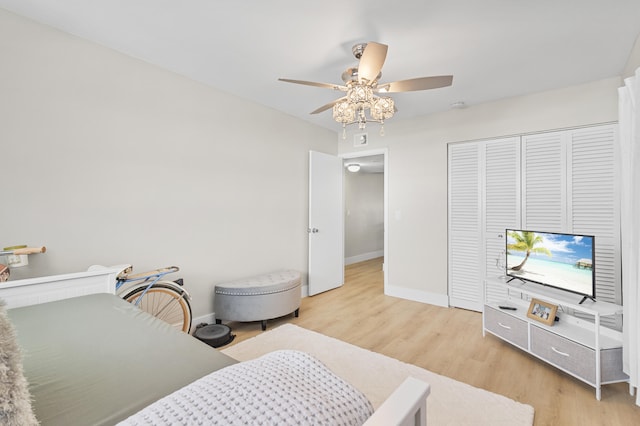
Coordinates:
x,y
449,341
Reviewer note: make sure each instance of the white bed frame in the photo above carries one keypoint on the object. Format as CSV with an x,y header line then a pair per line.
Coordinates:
x,y
404,407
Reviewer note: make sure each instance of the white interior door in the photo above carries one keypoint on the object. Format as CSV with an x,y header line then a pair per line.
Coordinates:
x,y
326,241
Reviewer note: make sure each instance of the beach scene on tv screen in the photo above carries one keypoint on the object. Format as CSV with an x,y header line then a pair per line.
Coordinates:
x,y
558,260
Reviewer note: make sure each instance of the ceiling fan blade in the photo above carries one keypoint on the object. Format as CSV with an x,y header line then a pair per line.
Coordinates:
x,y
371,61
422,83
327,106
313,83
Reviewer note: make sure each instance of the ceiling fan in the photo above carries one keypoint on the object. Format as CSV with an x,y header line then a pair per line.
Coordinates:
x,y
362,87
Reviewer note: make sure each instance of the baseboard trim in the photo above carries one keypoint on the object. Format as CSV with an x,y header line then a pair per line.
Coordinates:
x,y
417,295
362,257
208,319
389,290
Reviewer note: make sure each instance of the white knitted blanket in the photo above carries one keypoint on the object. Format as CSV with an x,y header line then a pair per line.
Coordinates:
x,y
280,388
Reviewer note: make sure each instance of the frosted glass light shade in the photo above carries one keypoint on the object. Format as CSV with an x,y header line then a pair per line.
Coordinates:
x,y
343,112
382,108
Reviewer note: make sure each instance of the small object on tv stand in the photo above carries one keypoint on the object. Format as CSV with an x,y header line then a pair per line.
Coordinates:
x,y
509,308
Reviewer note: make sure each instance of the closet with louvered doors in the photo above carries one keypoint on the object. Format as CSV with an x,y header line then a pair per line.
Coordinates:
x,y
561,181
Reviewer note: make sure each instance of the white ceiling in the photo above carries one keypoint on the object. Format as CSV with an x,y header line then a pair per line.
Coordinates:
x,y
493,48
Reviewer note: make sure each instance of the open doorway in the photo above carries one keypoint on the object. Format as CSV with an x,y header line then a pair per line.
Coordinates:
x,y
365,208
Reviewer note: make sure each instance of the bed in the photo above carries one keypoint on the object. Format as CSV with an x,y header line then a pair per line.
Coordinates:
x,y
98,360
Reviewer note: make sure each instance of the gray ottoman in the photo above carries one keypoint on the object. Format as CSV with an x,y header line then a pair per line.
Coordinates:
x,y
258,298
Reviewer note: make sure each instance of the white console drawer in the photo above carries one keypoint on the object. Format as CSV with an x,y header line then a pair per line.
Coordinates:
x,y
564,353
507,326
576,358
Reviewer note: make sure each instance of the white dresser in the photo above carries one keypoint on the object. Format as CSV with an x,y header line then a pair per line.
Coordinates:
x,y
577,344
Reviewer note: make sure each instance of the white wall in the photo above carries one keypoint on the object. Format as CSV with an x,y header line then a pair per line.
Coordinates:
x,y
364,216
417,171
122,162
109,160
634,60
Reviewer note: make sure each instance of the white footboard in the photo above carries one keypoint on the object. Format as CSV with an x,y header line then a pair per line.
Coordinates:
x,y
406,406
32,291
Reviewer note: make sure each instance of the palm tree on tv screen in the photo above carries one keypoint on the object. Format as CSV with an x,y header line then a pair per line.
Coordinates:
x,y
526,241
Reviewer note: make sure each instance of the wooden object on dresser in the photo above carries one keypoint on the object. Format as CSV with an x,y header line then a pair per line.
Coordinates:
x,y
577,346
29,287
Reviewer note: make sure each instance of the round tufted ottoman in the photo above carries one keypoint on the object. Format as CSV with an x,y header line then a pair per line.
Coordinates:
x,y
258,298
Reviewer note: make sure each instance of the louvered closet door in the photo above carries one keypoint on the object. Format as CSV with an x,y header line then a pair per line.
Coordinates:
x,y
465,278
594,207
570,185
501,205
544,192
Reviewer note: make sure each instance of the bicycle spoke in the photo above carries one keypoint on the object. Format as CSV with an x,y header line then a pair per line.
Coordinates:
x,y
165,303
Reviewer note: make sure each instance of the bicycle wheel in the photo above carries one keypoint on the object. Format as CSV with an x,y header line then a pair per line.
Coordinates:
x,y
164,302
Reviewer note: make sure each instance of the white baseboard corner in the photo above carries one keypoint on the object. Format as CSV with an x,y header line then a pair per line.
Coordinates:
x,y
362,257
405,293
417,295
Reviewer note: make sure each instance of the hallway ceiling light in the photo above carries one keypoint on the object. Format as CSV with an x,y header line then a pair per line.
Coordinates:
x,y
353,168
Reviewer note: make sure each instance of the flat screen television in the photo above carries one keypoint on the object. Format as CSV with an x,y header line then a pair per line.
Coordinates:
x,y
563,261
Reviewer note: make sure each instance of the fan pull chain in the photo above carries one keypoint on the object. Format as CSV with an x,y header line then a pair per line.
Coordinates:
x,y
382,128
344,131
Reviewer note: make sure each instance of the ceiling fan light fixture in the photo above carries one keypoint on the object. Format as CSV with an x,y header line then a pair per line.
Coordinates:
x,y
360,94
343,112
382,108
360,105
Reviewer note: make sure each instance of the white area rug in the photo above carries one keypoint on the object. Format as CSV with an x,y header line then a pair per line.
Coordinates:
x,y
450,402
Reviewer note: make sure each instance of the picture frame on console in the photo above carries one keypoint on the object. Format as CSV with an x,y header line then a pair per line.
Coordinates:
x,y
542,311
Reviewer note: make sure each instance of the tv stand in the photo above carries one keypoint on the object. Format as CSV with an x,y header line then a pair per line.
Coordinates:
x,y
516,278
578,346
